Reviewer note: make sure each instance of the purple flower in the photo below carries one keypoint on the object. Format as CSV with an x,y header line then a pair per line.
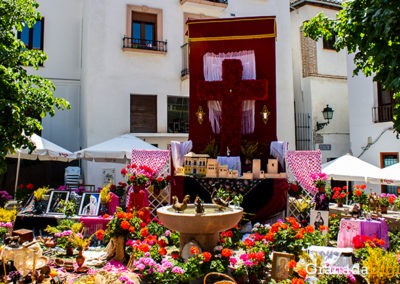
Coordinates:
x,y
167,233
63,187
123,278
351,278
383,195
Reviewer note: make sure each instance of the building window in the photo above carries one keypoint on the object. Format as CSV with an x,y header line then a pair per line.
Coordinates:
x,y
328,43
388,159
384,111
143,113
144,29
178,115
33,37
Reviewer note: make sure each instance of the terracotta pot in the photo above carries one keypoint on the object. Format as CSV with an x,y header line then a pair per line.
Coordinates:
x,y
383,209
321,189
339,204
80,259
69,251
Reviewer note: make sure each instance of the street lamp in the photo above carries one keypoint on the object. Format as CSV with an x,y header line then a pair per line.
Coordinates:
x,y
327,112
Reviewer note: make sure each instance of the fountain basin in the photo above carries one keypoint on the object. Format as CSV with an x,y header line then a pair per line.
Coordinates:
x,y
204,228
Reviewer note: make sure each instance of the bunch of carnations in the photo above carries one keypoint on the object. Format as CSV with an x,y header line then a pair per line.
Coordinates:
x,y
340,194
359,196
138,175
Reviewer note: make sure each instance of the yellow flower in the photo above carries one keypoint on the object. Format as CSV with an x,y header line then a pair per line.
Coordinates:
x,y
53,273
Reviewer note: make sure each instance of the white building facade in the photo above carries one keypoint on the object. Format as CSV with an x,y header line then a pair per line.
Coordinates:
x,y
371,128
320,79
123,67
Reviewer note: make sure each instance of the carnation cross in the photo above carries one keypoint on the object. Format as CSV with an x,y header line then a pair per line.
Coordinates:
x,y
232,90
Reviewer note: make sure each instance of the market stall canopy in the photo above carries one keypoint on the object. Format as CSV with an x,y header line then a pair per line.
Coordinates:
x,y
117,150
45,151
389,176
349,168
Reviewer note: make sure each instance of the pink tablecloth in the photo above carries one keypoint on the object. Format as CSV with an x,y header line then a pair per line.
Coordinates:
x,y
349,228
93,224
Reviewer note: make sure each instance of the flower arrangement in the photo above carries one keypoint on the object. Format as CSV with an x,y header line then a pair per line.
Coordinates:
x,y
7,215
339,194
66,233
118,189
385,200
40,192
4,230
24,192
386,261
359,196
105,196
319,179
137,175
160,183
124,224
4,197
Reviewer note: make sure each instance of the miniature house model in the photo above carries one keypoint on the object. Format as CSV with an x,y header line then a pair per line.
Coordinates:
x,y
195,164
212,168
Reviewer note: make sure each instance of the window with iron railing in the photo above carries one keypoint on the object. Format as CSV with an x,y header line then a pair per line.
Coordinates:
x,y
384,111
185,60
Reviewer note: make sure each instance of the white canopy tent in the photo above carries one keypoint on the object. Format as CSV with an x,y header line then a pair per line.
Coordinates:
x,y
349,168
116,150
389,176
45,151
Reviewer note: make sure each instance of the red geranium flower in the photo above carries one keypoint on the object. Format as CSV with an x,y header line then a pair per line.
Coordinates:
x,y
302,272
29,186
194,250
144,231
132,229
100,234
106,216
309,229
144,247
121,215
124,172
125,225
207,256
162,251
292,263
129,216
226,252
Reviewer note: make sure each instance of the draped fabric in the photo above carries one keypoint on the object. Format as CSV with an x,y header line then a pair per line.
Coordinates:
x,y
213,72
302,164
178,152
278,151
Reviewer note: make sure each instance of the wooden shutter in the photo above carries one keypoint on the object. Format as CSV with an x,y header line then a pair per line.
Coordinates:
x,y
143,114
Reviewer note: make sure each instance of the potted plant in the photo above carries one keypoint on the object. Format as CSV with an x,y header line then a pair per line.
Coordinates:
x,y
339,195
295,190
319,180
39,194
160,183
384,203
359,196
138,176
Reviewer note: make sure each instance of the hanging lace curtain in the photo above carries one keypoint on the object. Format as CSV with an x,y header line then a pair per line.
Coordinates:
x,y
213,72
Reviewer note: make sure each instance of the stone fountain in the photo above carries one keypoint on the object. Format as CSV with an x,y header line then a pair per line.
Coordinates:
x,y
201,227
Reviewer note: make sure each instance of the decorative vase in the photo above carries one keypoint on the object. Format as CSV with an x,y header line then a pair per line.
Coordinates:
x,y
339,204
383,209
80,259
69,251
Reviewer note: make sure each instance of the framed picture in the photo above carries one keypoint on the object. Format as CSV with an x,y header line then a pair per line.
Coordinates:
x,y
319,218
131,263
280,265
54,204
90,204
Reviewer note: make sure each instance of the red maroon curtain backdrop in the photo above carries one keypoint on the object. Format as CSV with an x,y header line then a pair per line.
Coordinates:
x,y
232,35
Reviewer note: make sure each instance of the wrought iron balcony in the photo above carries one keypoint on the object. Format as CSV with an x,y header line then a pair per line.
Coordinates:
x,y
382,113
137,43
216,3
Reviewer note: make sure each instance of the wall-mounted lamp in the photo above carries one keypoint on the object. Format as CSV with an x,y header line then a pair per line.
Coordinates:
x,y
328,114
265,113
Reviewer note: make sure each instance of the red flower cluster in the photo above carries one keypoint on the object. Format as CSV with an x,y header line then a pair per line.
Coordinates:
x,y
100,234
292,263
226,252
362,241
297,281
339,194
227,234
207,256
194,250
125,225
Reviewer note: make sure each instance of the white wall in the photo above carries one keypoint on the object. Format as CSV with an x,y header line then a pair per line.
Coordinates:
x,y
62,44
329,86
110,75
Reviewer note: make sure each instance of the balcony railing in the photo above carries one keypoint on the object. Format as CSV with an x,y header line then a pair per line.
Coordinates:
x,y
137,43
185,60
221,3
382,113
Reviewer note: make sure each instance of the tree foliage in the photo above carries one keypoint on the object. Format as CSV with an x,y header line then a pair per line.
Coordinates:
x,y
24,98
371,30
